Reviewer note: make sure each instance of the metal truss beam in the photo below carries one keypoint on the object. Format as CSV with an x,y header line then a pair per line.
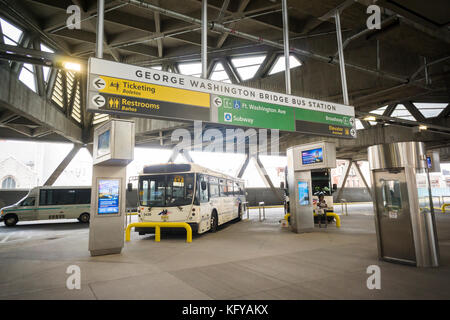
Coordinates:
x,y
63,165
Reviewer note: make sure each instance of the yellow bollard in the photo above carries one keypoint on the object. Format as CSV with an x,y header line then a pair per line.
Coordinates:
x,y
338,219
332,214
158,226
157,233
445,205
286,217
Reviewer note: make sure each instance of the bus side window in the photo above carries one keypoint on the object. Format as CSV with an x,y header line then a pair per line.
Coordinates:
x,y
213,187
230,188
28,202
223,187
42,197
237,190
82,196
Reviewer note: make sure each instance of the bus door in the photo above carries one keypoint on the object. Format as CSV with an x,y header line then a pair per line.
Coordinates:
x,y
214,197
205,204
232,204
224,214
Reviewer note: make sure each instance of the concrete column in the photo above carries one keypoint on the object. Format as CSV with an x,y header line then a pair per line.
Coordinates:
x,y
63,165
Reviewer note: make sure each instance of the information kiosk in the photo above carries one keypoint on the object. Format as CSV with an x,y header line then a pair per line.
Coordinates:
x,y
301,160
113,150
404,217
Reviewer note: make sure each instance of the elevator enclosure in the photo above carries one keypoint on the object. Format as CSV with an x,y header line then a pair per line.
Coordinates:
x,y
403,208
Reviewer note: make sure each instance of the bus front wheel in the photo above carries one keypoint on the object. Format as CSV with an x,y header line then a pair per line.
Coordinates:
x,y
214,222
84,218
11,220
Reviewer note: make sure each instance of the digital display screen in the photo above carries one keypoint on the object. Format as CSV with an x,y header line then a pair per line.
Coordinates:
x,y
103,143
108,196
303,193
429,162
312,156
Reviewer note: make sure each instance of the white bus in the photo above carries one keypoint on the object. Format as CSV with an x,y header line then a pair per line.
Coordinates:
x,y
188,193
48,203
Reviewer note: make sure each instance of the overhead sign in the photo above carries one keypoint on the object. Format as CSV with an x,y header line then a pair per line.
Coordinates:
x,y
241,112
119,88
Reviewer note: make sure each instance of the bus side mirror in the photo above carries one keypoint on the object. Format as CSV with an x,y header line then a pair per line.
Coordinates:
x,y
130,187
334,187
203,185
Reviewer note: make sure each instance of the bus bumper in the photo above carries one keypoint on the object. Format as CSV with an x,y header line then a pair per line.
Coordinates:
x,y
149,230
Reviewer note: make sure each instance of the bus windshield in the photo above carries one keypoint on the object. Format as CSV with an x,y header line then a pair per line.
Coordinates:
x,y
166,190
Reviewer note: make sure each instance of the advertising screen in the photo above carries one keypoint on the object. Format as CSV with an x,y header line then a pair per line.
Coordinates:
x,y
103,143
108,196
303,193
312,156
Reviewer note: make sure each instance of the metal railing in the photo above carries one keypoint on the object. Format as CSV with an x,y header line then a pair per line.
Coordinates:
x,y
261,205
245,209
158,226
344,203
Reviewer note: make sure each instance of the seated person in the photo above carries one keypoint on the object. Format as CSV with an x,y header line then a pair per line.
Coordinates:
x,y
321,204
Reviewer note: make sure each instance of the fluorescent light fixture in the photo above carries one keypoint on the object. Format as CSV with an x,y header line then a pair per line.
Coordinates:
x,y
72,66
423,127
369,118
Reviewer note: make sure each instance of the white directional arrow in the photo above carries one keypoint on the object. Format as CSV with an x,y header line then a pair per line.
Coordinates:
x,y
99,83
217,101
352,121
98,100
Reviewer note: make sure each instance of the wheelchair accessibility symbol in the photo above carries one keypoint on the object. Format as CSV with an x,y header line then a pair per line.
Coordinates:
x,y
237,104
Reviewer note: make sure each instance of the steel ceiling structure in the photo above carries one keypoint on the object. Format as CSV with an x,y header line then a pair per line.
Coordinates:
x,y
407,61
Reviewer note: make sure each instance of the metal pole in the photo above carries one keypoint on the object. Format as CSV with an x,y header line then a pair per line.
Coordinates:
x,y
100,28
378,55
341,58
427,82
204,39
287,72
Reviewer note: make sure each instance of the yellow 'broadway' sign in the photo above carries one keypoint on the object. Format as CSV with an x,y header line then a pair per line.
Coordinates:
x,y
154,92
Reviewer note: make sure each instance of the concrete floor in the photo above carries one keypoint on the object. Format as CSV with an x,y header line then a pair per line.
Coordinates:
x,y
245,260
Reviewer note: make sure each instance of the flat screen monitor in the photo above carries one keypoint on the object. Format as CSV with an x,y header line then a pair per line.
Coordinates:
x,y
303,193
103,144
108,196
312,156
429,164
